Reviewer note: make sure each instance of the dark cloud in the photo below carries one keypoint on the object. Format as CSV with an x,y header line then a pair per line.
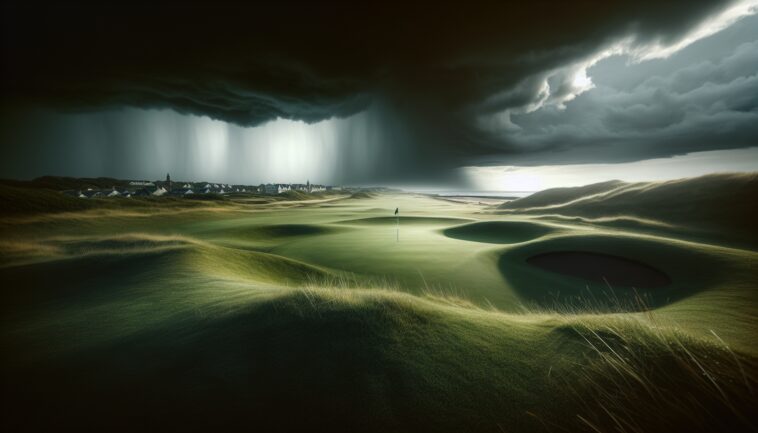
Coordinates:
x,y
251,62
682,104
435,70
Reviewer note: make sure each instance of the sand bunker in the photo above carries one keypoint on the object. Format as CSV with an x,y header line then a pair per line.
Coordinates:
x,y
617,271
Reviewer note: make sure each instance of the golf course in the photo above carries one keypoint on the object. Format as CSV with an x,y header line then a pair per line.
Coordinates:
x,y
615,307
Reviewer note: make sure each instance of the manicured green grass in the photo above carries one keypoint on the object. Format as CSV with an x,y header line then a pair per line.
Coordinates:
x,y
333,314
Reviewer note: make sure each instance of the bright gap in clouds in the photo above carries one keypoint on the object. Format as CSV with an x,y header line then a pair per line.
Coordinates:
x,y
511,178
574,75
712,25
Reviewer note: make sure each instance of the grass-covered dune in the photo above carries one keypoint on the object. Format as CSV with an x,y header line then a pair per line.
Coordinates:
x,y
332,314
23,201
711,203
556,196
372,361
341,359
61,183
45,197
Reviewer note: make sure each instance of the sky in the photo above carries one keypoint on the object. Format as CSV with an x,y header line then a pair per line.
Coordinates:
x,y
496,97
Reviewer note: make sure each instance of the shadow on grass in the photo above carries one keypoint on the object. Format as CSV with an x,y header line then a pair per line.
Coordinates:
x,y
498,232
597,273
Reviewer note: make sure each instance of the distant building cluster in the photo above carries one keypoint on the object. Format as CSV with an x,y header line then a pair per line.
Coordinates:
x,y
144,188
278,188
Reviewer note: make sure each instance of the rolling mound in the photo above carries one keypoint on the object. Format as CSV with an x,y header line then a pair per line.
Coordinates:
x,y
57,281
24,201
20,201
498,232
555,196
261,320
132,243
375,361
362,195
720,202
255,266
68,247
294,195
60,183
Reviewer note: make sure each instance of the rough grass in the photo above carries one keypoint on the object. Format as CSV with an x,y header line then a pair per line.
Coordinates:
x,y
37,199
708,203
22,202
151,320
646,378
375,360
61,183
362,194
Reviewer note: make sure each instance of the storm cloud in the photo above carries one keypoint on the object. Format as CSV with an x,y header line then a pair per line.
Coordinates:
x,y
702,98
448,85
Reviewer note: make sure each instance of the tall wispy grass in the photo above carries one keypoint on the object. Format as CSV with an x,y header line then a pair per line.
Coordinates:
x,y
643,373
632,370
347,284
606,300
639,378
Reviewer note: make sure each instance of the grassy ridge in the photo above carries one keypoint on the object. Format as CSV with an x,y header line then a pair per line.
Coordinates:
x,y
62,183
713,202
21,201
377,360
28,200
15,201
556,196
337,316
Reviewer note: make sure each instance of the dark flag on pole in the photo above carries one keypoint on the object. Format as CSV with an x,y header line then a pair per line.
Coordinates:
x,y
397,209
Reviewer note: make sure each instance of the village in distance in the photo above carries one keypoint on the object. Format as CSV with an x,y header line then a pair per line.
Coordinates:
x,y
145,188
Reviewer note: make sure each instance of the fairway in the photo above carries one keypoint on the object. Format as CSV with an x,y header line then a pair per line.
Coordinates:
x,y
332,312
